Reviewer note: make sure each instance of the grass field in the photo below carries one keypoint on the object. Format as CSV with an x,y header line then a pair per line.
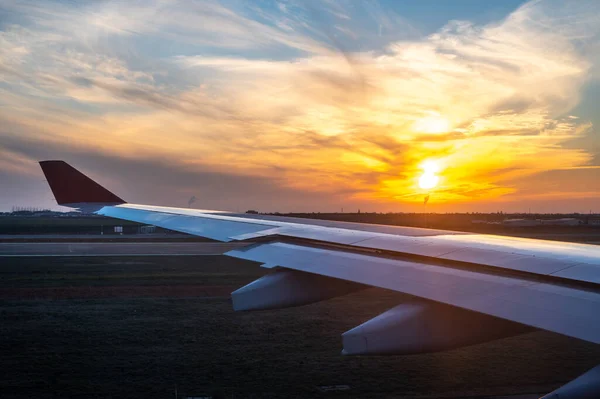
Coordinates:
x,y
148,327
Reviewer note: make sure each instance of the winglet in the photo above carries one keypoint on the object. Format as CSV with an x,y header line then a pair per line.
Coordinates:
x,y
74,189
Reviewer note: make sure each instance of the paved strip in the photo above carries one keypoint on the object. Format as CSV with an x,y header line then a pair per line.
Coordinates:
x,y
75,236
116,249
157,237
129,291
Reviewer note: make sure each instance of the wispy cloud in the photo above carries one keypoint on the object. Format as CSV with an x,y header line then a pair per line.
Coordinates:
x,y
335,100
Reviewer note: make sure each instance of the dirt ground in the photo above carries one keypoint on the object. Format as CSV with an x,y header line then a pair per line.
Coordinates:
x,y
163,327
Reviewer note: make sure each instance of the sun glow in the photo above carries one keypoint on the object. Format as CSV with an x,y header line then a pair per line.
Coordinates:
x,y
429,178
432,124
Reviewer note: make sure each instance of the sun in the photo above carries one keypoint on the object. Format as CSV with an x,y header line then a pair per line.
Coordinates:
x,y
429,179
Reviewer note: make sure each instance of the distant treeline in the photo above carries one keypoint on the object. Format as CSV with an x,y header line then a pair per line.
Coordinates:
x,y
449,221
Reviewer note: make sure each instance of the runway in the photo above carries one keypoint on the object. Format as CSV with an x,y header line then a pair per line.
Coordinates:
x,y
171,237
44,249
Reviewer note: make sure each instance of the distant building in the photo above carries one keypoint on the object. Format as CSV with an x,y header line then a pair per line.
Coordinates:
x,y
521,222
147,229
562,222
542,222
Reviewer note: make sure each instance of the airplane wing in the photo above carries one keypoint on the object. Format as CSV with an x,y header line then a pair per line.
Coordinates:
x,y
467,288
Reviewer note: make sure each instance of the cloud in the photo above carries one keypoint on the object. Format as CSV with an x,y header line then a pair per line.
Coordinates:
x,y
261,94
146,180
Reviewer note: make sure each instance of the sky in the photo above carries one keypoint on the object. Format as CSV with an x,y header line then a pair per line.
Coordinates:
x,y
306,106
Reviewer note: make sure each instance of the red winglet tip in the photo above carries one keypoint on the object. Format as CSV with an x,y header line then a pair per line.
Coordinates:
x,y
70,186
